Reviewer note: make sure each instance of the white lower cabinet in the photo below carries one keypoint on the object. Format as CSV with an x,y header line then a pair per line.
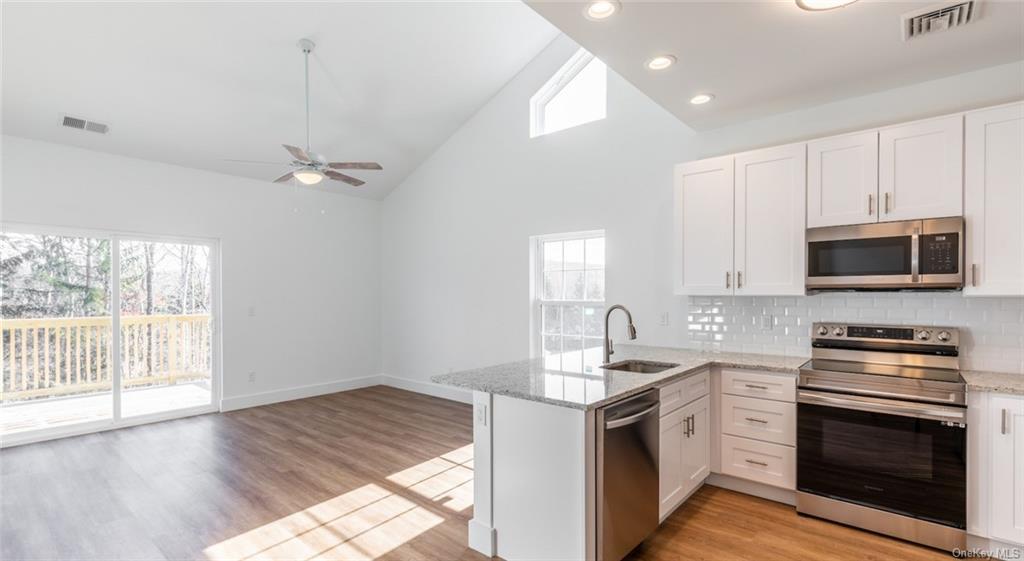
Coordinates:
x,y
685,455
1006,422
763,462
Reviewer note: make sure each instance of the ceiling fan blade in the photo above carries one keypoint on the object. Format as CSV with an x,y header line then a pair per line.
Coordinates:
x,y
284,178
298,153
354,165
252,162
342,177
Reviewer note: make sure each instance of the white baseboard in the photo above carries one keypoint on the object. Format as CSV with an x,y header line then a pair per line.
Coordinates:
x,y
428,388
289,394
983,547
482,538
784,496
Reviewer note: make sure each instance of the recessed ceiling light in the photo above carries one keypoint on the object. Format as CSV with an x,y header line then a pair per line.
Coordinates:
x,y
701,99
661,62
819,5
601,9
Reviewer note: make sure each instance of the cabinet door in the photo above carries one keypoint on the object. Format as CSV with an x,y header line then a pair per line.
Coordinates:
x,y
1007,486
920,171
842,180
771,216
670,463
703,222
994,201
696,464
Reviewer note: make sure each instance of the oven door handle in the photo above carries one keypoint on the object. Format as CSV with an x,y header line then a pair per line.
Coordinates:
x,y
885,406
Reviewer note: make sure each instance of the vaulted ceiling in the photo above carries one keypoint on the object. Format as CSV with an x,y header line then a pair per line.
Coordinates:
x,y
764,57
195,84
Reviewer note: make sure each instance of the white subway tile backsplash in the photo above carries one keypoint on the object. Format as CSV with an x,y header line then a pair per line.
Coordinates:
x,y
992,328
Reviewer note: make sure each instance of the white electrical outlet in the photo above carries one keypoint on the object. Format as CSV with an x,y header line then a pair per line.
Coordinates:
x,y
664,319
252,311
252,377
768,322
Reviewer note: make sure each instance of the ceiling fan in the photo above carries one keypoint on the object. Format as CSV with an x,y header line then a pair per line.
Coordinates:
x,y
311,168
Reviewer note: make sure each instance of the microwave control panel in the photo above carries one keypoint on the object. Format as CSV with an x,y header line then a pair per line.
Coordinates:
x,y
940,254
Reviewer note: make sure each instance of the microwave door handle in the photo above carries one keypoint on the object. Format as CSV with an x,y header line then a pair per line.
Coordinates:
x,y
915,259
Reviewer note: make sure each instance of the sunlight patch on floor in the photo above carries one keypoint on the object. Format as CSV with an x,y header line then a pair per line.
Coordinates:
x,y
364,523
446,479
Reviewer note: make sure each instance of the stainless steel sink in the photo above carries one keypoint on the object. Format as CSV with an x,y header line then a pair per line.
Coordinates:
x,y
640,366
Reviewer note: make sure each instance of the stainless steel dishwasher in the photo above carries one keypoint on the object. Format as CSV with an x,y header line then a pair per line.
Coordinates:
x,y
627,474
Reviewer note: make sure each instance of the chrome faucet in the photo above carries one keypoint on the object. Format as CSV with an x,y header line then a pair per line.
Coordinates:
x,y
630,330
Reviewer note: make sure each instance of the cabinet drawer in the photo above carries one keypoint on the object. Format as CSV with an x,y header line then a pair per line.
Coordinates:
x,y
750,383
681,392
760,419
772,464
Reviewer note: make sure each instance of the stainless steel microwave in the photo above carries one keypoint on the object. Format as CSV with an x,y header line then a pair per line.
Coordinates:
x,y
908,255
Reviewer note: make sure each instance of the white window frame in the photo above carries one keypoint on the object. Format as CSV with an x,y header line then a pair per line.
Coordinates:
x,y
117,421
537,284
550,89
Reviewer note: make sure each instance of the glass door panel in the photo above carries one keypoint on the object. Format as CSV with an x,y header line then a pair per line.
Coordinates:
x,y
166,327
55,319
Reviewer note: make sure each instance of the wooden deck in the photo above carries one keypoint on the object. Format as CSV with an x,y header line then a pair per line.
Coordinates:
x,y
22,416
376,473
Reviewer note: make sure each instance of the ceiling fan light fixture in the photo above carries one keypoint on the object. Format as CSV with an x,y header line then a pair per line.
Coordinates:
x,y
308,176
821,5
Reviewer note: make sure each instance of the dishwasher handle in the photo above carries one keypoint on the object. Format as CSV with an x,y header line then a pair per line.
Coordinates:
x,y
632,419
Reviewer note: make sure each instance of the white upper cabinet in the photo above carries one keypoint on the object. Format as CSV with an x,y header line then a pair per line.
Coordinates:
x,y
994,201
704,227
842,180
920,172
770,221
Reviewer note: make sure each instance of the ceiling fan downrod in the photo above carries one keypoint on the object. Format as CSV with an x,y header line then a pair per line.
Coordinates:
x,y
307,47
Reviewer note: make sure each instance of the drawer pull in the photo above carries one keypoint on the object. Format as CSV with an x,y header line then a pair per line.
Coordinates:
x,y
756,463
756,420
756,387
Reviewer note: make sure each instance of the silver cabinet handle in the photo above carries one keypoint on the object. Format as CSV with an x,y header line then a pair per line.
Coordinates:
x,y
692,422
756,463
686,427
727,283
887,203
1005,429
739,279
871,204
974,275
756,420
756,387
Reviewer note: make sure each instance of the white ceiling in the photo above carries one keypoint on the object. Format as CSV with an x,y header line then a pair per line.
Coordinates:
x,y
760,58
195,83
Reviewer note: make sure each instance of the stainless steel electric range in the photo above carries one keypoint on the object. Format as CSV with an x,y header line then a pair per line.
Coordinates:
x,y
882,432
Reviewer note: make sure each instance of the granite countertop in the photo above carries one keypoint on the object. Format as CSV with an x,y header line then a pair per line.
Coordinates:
x,y
1002,382
555,380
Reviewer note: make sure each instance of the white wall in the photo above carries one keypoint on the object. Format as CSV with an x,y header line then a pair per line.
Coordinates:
x,y
306,260
455,233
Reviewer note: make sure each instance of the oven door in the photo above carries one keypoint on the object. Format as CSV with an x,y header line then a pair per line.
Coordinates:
x,y
903,457
867,256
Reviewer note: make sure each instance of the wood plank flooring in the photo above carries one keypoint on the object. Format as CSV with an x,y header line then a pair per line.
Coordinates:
x,y
376,473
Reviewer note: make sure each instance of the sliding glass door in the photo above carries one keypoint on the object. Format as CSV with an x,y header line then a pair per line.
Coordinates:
x,y
165,326
65,368
55,306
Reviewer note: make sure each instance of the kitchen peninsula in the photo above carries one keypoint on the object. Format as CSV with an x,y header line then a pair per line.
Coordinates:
x,y
536,433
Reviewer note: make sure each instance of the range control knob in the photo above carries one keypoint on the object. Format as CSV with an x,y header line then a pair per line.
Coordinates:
x,y
837,331
923,335
944,336
822,330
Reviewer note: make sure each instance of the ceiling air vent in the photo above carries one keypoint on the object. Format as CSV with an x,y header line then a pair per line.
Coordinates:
x,y
84,125
939,18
